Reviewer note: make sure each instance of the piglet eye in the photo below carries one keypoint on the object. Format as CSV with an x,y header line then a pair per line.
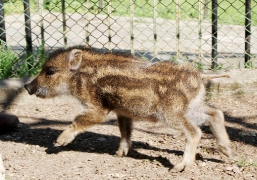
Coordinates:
x,y
50,71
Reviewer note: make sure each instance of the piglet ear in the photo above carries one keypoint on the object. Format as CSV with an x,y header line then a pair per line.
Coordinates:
x,y
74,59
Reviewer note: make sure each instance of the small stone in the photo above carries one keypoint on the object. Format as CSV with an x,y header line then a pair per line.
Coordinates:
x,y
202,164
234,169
229,168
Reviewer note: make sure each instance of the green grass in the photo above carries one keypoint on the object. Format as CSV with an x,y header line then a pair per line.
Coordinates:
x,y
229,11
244,163
11,65
7,60
16,6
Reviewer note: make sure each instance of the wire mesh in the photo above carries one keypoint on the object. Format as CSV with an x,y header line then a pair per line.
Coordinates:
x,y
178,30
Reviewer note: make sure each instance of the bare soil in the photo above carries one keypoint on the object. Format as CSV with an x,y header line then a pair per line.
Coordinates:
x,y
28,152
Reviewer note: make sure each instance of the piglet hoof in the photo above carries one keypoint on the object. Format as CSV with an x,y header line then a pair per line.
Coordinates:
x,y
122,152
226,150
123,149
65,138
178,167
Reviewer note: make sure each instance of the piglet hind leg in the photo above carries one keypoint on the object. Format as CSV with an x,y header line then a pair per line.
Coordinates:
x,y
193,136
125,126
217,126
79,125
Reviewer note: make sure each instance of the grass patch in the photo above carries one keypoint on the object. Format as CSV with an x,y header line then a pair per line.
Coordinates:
x,y
17,7
235,86
7,60
245,163
11,65
239,92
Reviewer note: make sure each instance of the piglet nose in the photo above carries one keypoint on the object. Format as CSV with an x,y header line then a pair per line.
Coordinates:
x,y
28,88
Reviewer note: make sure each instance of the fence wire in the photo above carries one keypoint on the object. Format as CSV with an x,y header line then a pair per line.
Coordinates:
x,y
211,34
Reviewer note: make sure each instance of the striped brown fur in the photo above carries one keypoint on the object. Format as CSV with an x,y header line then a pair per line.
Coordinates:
x,y
134,89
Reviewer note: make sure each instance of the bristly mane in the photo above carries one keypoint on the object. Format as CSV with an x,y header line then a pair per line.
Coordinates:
x,y
88,49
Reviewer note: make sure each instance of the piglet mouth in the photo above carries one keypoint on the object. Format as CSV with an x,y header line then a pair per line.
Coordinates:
x,y
38,93
41,93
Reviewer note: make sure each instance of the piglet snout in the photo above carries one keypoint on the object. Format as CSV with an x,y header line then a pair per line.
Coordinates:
x,y
28,87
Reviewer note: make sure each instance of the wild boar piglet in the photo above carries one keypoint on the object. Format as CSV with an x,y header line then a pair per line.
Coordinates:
x,y
134,89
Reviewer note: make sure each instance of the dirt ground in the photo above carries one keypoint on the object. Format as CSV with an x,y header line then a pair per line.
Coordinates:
x,y
28,152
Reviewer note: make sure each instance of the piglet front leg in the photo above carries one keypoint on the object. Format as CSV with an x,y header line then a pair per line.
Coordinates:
x,y
79,125
66,136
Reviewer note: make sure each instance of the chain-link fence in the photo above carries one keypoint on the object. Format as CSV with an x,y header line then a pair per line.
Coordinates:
x,y
212,34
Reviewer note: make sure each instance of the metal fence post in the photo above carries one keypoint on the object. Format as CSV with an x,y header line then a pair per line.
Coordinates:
x,y
178,27
87,22
109,11
64,23
28,32
214,53
132,27
41,22
100,5
155,27
200,36
200,28
206,9
247,33
2,23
